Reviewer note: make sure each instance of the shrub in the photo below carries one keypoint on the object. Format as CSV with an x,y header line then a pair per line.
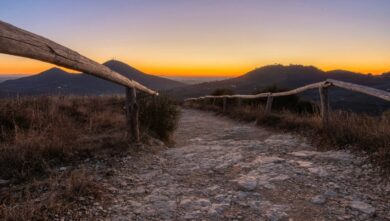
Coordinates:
x,y
159,117
222,91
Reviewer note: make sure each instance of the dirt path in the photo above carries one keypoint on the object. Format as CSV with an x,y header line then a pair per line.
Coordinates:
x,y
225,170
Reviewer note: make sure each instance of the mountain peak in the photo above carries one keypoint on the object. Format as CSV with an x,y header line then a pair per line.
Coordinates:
x,y
113,61
117,64
277,71
53,71
290,67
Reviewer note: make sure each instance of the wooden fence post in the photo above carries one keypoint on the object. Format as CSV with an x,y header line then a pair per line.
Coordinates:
x,y
324,105
224,105
132,115
268,106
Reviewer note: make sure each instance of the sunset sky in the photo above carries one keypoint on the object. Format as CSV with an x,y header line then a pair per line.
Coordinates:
x,y
209,37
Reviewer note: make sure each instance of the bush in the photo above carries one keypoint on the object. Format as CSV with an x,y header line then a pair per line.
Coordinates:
x,y
222,91
159,117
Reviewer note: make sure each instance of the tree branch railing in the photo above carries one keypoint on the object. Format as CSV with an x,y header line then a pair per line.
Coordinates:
x,y
16,41
323,91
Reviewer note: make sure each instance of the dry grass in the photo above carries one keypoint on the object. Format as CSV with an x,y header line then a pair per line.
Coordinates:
x,y
51,198
370,134
37,133
40,134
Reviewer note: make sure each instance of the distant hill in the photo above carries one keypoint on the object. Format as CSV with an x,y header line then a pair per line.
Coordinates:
x,y
197,80
57,81
6,77
294,76
154,82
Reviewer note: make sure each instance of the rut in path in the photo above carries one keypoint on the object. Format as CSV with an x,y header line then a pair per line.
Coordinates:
x,y
225,170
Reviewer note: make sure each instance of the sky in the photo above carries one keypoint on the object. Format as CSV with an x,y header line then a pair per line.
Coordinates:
x,y
209,37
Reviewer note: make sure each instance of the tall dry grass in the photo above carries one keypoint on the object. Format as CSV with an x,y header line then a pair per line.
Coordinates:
x,y
52,198
38,132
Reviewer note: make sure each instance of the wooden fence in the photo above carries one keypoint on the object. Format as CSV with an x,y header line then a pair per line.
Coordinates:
x,y
323,92
16,41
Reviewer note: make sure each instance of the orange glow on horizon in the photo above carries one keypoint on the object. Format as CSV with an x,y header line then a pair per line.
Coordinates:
x,y
27,66
19,65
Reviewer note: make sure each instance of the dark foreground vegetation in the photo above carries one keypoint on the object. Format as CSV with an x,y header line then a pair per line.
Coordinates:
x,y
39,136
346,130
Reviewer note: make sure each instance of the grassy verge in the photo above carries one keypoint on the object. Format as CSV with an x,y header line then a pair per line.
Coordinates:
x,y
52,198
346,130
38,135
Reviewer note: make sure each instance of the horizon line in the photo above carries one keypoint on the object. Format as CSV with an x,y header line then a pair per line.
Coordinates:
x,y
222,75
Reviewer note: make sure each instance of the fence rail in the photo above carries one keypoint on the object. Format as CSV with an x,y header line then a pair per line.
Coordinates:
x,y
16,41
329,82
323,91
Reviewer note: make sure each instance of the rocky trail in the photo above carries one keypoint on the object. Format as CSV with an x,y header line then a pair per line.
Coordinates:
x,y
225,170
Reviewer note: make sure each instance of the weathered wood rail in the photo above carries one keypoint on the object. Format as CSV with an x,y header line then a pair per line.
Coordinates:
x,y
16,41
323,92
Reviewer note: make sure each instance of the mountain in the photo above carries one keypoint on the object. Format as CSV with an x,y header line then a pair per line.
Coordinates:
x,y
57,81
294,76
154,82
6,77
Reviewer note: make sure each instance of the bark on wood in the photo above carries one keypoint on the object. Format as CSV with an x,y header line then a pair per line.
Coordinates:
x,y
132,115
361,89
285,93
324,105
15,41
268,106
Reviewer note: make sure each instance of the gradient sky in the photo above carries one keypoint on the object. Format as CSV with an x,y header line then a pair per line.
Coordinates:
x,y
209,37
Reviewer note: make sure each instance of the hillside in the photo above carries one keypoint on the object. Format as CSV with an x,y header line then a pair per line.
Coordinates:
x,y
294,76
57,81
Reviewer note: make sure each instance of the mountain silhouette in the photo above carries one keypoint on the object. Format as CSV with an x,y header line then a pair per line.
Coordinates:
x,y
154,82
57,81
293,76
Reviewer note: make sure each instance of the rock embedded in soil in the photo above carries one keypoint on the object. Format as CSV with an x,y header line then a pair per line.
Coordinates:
x,y
248,183
362,207
319,199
